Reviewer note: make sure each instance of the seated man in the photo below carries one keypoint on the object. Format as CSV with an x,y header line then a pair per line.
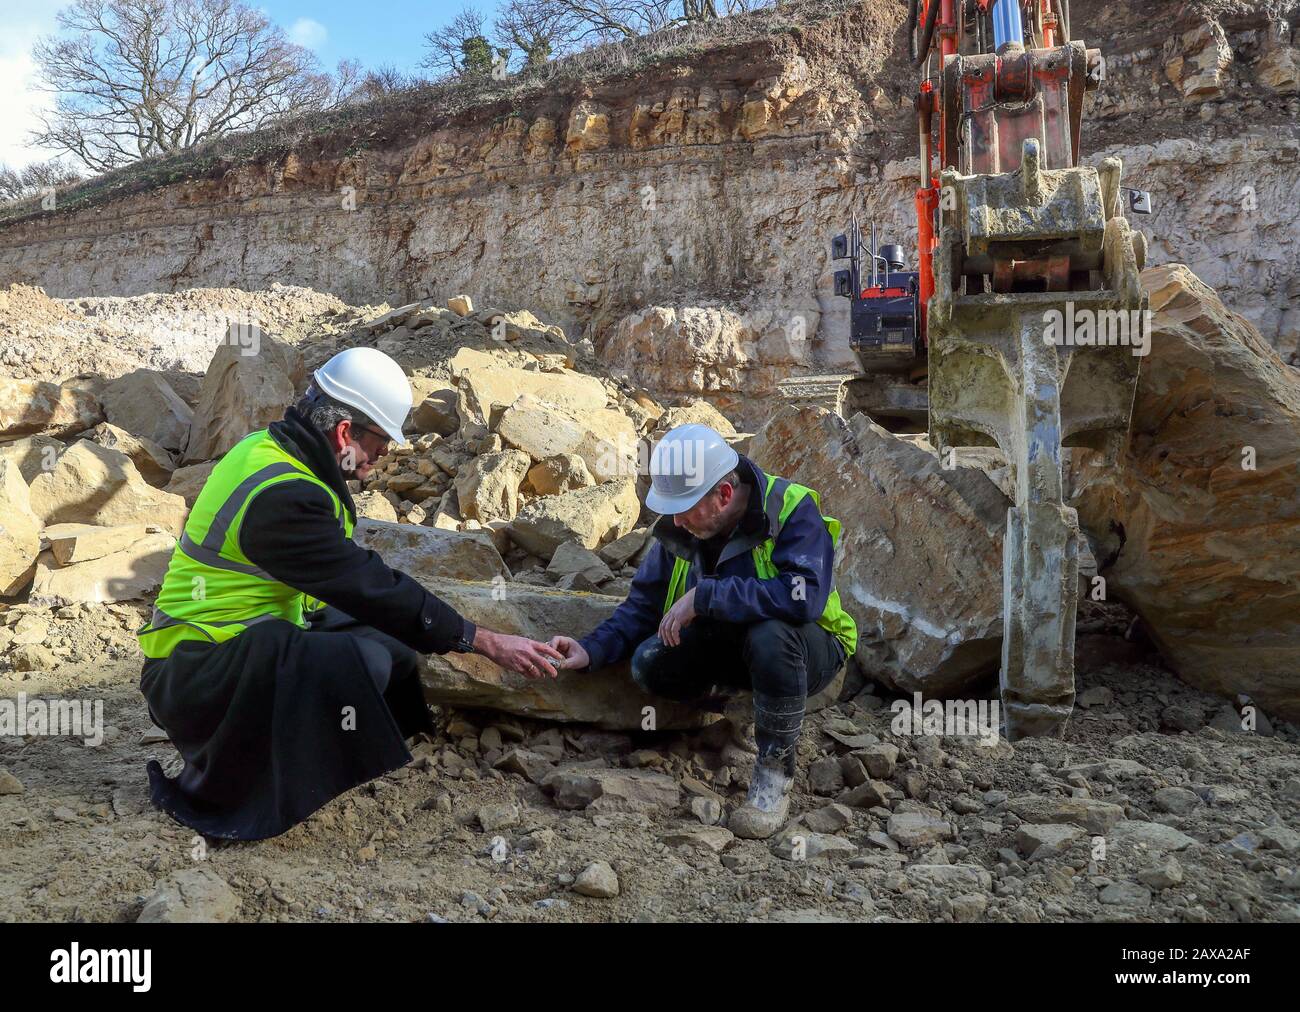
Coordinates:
x,y
737,593
276,704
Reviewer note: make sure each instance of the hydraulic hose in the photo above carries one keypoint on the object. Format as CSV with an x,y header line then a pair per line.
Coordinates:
x,y
919,53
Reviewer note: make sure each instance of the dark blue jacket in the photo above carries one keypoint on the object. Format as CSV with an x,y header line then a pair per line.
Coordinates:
x,y
802,553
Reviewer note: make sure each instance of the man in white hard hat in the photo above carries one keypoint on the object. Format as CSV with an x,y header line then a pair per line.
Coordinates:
x,y
737,593
282,658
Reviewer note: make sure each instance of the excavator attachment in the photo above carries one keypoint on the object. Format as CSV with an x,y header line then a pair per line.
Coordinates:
x,y
1037,326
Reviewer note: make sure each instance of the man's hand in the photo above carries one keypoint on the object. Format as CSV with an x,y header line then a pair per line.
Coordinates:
x,y
518,653
677,618
574,655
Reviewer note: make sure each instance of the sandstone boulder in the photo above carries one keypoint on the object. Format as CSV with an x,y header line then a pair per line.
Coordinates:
x,y
608,698
153,462
920,560
72,543
187,482
606,440
488,487
630,548
145,404
374,506
20,530
590,516
247,386
488,387
694,413
28,407
1198,529
92,484
125,575
562,473
733,358
572,558
429,554
436,411
32,454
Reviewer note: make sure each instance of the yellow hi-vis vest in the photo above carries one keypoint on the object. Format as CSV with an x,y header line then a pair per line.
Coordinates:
x,y
212,591
834,619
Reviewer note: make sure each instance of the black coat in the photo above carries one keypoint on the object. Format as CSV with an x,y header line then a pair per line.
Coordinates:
x,y
279,720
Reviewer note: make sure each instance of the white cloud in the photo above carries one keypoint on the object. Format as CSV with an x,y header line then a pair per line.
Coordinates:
x,y
20,104
309,33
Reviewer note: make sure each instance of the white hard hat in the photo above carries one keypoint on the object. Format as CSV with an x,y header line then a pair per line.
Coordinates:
x,y
686,464
371,382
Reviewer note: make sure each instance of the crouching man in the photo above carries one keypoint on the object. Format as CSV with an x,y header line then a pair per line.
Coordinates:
x,y
736,594
282,658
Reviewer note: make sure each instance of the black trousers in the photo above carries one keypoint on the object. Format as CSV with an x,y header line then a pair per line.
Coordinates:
x,y
773,658
279,720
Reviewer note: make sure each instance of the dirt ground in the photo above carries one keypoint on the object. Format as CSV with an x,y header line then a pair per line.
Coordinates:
x,y
81,841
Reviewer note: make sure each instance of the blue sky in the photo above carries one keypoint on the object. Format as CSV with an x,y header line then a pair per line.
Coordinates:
x,y
376,32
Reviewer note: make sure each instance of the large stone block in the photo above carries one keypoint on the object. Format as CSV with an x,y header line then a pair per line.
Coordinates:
x,y
592,516
92,484
20,530
28,407
153,462
920,561
607,698
247,386
1198,527
126,575
604,439
429,554
488,387
145,404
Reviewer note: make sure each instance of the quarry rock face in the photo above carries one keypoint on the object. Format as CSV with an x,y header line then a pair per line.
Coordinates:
x,y
729,356
919,565
607,698
1198,529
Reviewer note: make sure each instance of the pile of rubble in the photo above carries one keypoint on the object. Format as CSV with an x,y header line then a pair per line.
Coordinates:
x,y
526,472
520,468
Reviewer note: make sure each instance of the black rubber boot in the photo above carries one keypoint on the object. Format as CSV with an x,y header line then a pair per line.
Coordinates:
x,y
777,720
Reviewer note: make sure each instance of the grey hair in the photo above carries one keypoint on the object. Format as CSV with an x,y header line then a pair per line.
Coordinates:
x,y
732,478
325,413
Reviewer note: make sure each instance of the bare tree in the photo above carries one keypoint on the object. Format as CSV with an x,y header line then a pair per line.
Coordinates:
x,y
384,80
139,78
539,29
462,49
33,180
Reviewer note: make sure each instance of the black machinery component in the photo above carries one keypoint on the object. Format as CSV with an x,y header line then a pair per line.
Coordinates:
x,y
884,305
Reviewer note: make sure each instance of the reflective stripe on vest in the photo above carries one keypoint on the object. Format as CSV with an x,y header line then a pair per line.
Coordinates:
x,y
834,619
212,592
